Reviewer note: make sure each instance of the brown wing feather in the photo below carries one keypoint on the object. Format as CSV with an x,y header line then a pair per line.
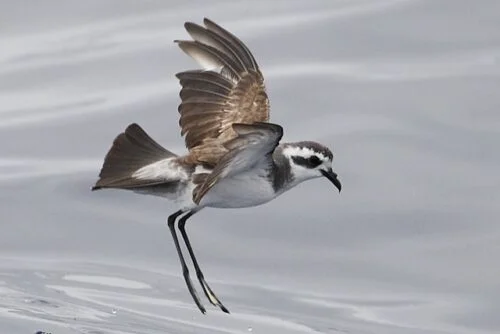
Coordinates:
x,y
229,90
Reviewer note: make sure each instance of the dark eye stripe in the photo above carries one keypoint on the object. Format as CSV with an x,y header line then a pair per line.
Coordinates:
x,y
315,160
311,162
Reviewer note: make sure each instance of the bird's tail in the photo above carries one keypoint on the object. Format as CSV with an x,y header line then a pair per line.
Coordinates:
x,y
131,150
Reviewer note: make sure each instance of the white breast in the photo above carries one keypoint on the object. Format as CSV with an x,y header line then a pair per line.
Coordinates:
x,y
243,190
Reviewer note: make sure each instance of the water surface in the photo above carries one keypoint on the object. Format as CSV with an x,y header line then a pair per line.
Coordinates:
x,y
406,93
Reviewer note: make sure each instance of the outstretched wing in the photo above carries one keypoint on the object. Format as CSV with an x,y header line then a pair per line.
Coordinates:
x,y
230,89
253,144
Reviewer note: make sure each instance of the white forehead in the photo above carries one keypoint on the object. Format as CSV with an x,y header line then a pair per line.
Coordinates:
x,y
305,152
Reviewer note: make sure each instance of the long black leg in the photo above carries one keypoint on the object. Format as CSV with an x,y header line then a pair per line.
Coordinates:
x,y
185,270
208,291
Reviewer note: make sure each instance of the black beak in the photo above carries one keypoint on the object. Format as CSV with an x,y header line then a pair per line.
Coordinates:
x,y
332,176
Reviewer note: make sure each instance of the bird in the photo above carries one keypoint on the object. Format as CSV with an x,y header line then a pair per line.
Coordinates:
x,y
235,158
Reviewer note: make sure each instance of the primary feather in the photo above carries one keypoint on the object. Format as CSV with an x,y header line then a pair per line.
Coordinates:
x,y
230,89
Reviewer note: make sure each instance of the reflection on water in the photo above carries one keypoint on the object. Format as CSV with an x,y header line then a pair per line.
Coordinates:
x,y
406,91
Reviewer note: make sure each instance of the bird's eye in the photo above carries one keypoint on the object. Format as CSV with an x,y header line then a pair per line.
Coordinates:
x,y
314,161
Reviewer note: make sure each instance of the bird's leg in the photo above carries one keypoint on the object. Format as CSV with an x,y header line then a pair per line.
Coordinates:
x,y
208,292
185,270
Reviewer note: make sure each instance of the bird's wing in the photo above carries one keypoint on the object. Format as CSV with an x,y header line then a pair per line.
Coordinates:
x,y
229,89
253,144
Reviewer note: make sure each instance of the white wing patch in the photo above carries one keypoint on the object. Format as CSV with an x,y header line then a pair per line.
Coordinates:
x,y
199,169
167,169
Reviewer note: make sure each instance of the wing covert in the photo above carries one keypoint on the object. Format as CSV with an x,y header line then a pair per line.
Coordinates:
x,y
253,143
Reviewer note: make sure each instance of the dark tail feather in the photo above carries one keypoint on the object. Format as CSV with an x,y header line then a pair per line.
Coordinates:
x,y
131,150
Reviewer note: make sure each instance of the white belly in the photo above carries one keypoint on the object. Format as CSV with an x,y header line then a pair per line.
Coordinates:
x,y
242,190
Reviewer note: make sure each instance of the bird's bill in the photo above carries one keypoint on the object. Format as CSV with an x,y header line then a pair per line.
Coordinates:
x,y
332,176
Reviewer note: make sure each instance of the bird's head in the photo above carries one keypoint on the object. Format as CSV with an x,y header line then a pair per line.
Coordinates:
x,y
309,160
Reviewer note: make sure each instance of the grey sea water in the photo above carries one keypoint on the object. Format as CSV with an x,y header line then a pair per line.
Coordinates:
x,y
405,91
